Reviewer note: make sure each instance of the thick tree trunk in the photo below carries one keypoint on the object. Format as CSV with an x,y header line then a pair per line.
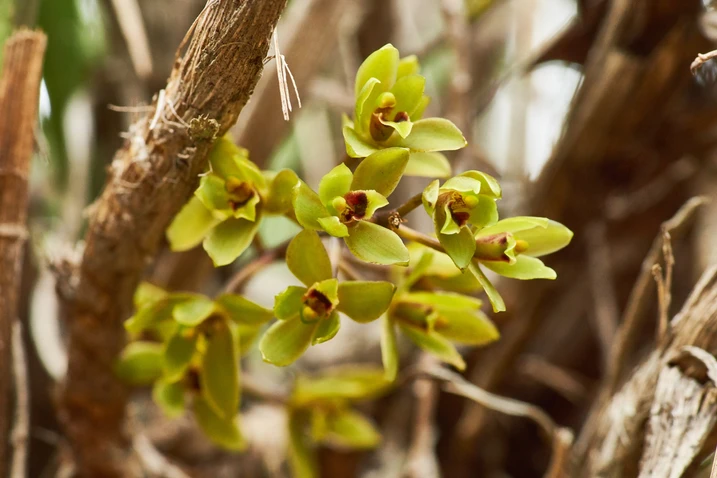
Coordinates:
x,y
150,179
633,120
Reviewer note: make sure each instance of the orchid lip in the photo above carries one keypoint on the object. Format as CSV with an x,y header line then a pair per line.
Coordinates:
x,y
356,206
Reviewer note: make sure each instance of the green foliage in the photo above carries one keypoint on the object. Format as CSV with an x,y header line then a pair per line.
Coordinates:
x,y
199,341
309,315
197,355
433,321
320,413
140,363
226,210
342,209
75,43
464,201
388,113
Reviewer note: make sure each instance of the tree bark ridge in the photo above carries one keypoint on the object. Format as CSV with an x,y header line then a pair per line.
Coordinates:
x,y
150,179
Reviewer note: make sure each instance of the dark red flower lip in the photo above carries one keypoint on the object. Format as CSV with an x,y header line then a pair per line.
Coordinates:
x,y
318,302
356,206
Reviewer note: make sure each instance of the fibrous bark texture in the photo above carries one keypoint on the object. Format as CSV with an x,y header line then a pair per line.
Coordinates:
x,y
19,91
633,123
661,423
150,179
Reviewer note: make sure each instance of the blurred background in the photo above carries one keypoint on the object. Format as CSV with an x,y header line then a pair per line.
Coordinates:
x,y
584,109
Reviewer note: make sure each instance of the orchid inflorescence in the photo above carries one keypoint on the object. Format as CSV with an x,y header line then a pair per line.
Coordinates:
x,y
189,346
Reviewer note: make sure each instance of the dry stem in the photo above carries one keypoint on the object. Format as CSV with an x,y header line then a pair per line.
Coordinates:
x,y
151,178
19,89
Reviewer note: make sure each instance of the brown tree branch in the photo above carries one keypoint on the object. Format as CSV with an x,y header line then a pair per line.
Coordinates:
x,y
19,90
150,179
662,421
21,428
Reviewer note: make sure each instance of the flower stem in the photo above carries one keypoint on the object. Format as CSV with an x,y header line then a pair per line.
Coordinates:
x,y
419,237
236,283
410,205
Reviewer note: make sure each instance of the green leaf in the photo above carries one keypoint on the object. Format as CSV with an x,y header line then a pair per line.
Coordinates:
x,y
212,192
408,91
444,301
147,294
222,431
357,147
246,336
140,363
543,236
318,423
190,226
374,201
344,382
382,65
169,396
327,329
433,134
308,207
430,197
485,213
285,341
463,282
381,171
428,165
365,301
178,353
375,244
333,225
229,240
463,184
460,247
250,172
336,182
347,428
524,268
434,344
403,128
307,259
152,314
194,311
470,327
489,185
288,303
421,108
281,192
444,221
220,370
223,155
408,65
243,311
514,225
149,315
366,104
330,288
389,349
493,295
423,262
302,457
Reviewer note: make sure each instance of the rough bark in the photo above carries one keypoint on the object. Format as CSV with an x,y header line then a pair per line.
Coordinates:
x,y
661,423
634,117
19,91
150,179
